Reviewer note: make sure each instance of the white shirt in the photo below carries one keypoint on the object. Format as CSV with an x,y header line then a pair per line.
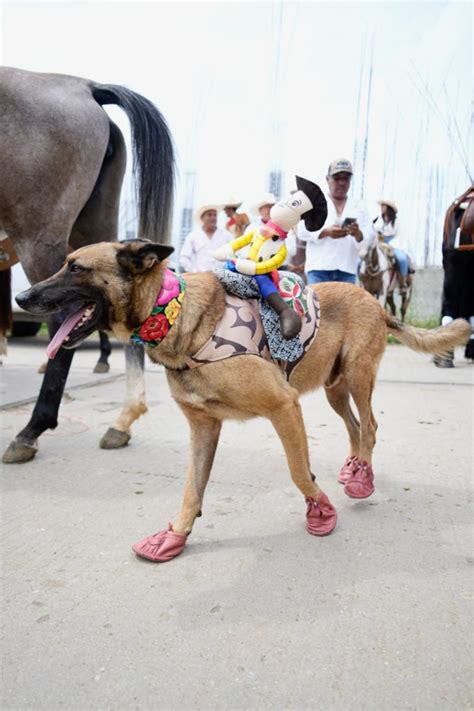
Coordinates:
x,y
388,231
327,253
198,248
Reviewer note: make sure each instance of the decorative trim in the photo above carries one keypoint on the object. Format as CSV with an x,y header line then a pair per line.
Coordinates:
x,y
164,312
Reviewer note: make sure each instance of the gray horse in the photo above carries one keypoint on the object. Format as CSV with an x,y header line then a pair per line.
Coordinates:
x,y
62,163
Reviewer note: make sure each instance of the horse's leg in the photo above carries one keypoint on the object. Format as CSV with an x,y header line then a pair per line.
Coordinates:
x,y
406,296
102,365
389,277
135,400
391,303
45,413
98,222
39,264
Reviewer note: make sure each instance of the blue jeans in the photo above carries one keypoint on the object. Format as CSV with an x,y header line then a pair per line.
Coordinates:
x,y
315,276
400,256
402,260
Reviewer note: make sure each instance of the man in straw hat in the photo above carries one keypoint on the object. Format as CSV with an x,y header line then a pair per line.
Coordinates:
x,y
236,221
332,252
199,245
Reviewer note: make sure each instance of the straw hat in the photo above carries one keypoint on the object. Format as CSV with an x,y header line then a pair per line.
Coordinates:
x,y
389,203
266,199
233,202
204,208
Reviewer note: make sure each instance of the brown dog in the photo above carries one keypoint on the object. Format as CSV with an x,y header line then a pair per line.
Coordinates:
x,y
115,286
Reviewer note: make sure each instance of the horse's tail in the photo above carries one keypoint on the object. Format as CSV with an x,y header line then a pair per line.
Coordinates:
x,y
5,300
153,159
439,340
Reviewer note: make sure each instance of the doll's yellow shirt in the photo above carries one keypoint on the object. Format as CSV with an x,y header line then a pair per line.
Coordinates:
x,y
257,241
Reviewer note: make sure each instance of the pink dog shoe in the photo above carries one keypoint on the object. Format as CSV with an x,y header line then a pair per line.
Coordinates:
x,y
321,516
162,546
361,483
347,469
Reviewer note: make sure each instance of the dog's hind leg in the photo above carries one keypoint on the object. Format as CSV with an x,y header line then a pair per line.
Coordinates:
x,y
287,419
205,431
361,379
135,399
339,398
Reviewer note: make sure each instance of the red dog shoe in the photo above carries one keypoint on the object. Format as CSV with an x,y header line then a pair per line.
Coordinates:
x,y
347,469
162,546
321,516
361,483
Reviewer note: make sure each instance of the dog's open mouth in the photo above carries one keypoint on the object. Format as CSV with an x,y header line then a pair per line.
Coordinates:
x,y
74,329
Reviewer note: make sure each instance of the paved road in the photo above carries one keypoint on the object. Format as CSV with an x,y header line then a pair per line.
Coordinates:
x,y
255,614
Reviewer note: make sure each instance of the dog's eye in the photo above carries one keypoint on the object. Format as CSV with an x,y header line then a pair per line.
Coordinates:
x,y
75,268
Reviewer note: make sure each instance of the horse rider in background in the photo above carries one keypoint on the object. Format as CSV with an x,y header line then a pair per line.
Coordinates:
x,y
387,227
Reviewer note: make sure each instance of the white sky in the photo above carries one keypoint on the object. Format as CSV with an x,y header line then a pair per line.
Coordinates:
x,y
211,67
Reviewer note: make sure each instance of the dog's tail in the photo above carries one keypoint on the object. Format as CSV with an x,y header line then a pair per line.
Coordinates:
x,y
439,340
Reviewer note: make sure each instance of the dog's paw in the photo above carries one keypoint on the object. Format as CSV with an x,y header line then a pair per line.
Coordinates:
x,y
360,484
162,546
321,516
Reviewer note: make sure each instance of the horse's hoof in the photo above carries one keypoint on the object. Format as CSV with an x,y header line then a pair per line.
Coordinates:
x,y
114,439
18,452
101,367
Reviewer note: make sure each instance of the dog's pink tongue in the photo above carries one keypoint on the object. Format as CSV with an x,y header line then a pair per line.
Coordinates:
x,y
63,331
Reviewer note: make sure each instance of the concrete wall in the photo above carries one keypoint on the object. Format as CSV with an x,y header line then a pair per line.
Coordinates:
x,y
427,290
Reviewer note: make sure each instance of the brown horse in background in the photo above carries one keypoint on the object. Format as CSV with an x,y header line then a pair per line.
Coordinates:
x,y
62,164
379,275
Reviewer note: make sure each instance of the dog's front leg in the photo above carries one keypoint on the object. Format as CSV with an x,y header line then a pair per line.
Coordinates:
x,y
167,544
205,431
135,399
287,420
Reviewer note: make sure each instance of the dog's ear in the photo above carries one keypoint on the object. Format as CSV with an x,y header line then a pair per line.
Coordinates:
x,y
138,257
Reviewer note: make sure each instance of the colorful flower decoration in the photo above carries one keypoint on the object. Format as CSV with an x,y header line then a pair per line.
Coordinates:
x,y
163,314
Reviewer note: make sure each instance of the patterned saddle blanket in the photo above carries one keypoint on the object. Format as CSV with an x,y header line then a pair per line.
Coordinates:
x,y
250,326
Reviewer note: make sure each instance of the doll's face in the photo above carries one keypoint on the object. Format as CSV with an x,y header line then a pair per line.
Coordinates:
x,y
285,214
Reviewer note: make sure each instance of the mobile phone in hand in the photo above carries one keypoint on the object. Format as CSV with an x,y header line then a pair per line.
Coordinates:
x,y
349,221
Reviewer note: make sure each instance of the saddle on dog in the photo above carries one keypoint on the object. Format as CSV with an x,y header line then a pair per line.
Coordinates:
x,y
251,327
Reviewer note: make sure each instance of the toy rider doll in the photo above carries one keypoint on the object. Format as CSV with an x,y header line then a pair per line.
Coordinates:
x,y
267,251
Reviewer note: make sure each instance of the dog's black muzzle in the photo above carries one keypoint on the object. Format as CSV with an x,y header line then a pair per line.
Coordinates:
x,y
46,298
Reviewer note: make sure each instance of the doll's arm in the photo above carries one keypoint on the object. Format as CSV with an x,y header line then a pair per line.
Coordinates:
x,y
227,251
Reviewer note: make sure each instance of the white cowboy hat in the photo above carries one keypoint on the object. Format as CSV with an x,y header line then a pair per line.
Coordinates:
x,y
266,199
389,203
204,208
232,202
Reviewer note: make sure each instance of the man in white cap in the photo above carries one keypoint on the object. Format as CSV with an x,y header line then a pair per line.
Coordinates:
x,y
332,253
202,242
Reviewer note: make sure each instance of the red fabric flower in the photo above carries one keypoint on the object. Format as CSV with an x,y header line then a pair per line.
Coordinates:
x,y
154,328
